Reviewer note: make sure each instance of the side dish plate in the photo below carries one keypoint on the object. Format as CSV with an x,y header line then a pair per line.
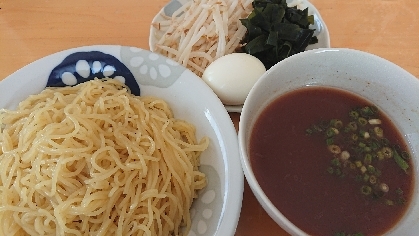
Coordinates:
x,y
321,32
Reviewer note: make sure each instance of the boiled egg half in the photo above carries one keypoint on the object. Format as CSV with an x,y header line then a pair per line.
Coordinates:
x,y
232,76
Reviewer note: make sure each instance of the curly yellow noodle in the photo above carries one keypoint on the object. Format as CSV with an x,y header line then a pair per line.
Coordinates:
x,y
93,159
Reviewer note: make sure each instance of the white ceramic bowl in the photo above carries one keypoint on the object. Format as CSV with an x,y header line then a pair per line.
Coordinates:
x,y
319,26
217,209
385,84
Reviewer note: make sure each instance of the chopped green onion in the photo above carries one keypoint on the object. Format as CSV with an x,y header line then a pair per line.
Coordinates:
x,y
358,150
352,126
405,155
367,159
380,155
362,121
332,132
389,202
324,124
366,177
336,123
401,201
366,190
384,187
335,162
309,131
354,115
387,152
329,141
364,134
374,121
374,145
345,155
363,169
354,137
367,111
373,179
371,169
378,132
385,141
335,149
400,161
317,128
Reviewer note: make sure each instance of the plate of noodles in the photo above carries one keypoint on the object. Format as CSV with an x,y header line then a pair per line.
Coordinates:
x,y
115,140
195,33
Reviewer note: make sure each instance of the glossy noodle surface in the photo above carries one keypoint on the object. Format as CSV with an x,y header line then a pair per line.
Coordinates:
x,y
94,159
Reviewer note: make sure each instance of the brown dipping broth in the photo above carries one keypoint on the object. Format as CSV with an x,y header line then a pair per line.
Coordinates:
x,y
290,166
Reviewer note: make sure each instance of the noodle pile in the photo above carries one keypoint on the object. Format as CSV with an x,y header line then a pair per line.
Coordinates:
x,y
95,160
201,31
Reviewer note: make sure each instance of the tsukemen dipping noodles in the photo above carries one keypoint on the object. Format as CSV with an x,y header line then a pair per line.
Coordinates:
x,y
332,163
94,159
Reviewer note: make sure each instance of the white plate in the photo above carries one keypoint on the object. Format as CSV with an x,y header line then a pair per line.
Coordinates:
x,y
320,27
217,209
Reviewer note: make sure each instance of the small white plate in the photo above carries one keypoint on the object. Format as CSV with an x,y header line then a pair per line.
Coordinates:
x,y
217,209
320,27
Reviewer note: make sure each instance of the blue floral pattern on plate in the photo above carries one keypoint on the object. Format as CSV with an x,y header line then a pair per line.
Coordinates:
x,y
151,68
80,67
